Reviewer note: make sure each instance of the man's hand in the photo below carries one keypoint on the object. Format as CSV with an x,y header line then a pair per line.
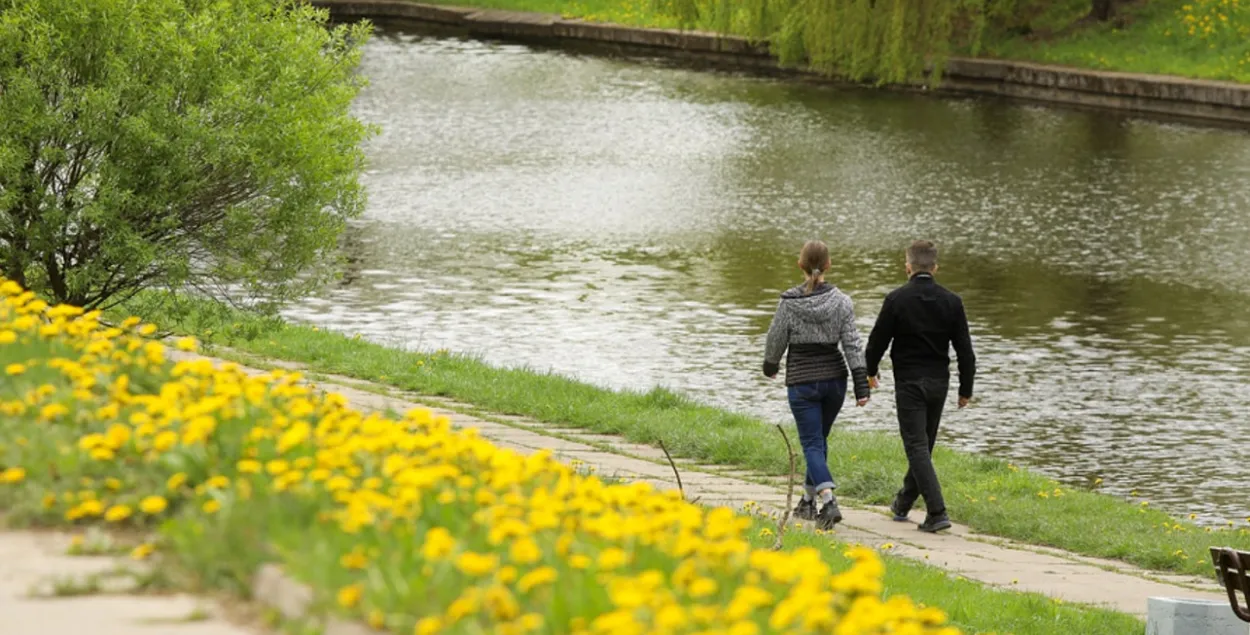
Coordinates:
x,y
861,402
963,401
872,383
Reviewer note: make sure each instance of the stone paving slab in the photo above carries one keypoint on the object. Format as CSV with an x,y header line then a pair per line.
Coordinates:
x,y
991,560
34,560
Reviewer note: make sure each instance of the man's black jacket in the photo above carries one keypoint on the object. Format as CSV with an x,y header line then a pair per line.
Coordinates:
x,y
923,319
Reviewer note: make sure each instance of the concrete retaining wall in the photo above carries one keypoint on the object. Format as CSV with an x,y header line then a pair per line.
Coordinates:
x,y
1147,94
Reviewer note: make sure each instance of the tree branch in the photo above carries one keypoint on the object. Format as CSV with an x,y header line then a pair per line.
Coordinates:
x,y
785,516
674,466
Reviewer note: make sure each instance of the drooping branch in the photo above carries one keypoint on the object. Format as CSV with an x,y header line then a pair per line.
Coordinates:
x,y
885,41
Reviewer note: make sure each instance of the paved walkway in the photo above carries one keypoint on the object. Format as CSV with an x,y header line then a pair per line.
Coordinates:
x,y
36,575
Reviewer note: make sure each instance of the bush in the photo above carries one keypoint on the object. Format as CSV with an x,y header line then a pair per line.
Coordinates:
x,y
405,523
175,143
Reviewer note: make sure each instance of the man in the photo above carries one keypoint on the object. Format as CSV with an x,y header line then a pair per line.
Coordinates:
x,y
923,319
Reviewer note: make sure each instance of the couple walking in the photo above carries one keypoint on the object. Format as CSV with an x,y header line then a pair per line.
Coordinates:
x,y
923,320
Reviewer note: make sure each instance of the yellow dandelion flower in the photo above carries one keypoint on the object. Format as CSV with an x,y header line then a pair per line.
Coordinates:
x,y
13,475
349,596
153,505
117,513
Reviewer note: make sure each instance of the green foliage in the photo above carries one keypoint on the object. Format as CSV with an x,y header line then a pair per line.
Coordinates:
x,y
887,41
176,143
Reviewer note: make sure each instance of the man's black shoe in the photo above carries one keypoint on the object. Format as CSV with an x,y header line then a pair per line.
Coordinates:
x,y
896,508
806,510
934,524
829,516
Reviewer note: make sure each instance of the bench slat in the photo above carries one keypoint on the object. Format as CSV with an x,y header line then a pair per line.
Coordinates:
x,y
1232,567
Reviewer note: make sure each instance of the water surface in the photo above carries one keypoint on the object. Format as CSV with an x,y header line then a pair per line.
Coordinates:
x,y
631,225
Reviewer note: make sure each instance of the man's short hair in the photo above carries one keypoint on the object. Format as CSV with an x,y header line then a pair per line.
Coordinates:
x,y
922,256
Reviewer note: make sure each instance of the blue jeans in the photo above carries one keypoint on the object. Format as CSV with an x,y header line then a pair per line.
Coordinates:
x,y
815,407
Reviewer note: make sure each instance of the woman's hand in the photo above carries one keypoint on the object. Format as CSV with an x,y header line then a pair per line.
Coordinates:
x,y
861,402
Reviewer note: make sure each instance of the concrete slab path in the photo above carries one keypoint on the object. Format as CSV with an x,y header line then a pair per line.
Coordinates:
x,y
36,564
995,561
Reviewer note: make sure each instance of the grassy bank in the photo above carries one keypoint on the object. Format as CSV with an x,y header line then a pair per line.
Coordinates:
x,y
1207,39
990,495
410,526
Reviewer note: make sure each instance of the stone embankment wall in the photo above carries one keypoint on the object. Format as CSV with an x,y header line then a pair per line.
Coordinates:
x,y
1213,101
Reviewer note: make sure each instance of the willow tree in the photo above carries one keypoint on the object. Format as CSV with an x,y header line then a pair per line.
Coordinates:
x,y
886,41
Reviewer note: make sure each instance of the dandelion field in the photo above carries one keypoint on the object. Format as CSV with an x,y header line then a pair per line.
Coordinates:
x,y
403,523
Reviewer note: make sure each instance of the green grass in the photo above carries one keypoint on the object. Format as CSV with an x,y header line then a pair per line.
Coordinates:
x,y
987,494
972,606
1148,36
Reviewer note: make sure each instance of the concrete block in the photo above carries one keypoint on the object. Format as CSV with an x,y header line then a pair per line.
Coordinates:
x,y
274,589
1182,616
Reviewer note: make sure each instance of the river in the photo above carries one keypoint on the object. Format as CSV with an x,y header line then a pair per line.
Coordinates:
x,y
631,224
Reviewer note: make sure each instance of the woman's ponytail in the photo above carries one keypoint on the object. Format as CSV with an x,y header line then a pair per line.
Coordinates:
x,y
813,259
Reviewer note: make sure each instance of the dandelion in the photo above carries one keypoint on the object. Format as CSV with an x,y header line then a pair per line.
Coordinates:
x,y
438,544
13,475
428,626
52,412
702,588
349,596
153,505
15,369
142,551
117,513
613,558
354,560
211,507
477,564
535,578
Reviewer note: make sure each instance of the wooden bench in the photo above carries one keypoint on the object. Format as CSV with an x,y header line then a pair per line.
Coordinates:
x,y
1233,569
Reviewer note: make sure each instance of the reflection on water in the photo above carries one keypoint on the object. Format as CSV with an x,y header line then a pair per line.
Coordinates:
x,y
632,225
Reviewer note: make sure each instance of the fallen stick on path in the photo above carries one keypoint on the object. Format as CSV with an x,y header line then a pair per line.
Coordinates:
x,y
673,465
785,516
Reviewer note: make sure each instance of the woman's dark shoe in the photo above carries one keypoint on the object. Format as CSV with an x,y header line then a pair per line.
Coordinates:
x,y
896,508
934,524
829,515
806,510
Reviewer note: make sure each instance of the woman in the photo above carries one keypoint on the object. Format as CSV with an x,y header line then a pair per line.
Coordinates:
x,y
811,320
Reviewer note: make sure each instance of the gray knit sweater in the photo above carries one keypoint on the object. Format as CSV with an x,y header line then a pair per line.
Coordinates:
x,y
810,327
